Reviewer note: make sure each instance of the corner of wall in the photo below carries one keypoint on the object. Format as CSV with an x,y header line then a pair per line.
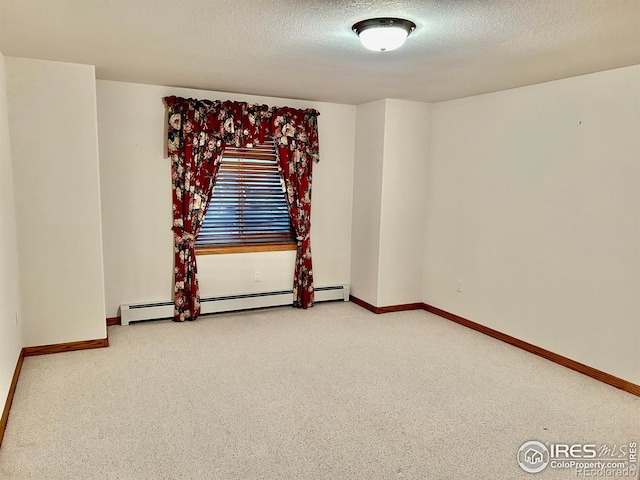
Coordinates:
x,y
10,314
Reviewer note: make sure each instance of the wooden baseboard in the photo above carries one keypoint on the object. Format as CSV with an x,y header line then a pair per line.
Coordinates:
x,y
113,321
541,352
400,308
65,347
12,391
363,304
389,309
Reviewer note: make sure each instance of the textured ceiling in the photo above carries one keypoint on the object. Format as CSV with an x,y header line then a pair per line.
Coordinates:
x,y
305,48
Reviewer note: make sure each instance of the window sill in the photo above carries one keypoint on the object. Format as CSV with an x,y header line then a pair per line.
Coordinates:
x,y
264,247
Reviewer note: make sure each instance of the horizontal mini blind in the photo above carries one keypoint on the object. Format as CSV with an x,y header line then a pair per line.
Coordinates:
x,y
248,204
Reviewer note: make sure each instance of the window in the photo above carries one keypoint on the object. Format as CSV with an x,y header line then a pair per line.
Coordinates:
x,y
248,210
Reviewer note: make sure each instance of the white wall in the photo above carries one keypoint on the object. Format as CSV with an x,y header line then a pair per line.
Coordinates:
x,y
10,331
402,213
367,201
533,201
136,201
52,118
392,149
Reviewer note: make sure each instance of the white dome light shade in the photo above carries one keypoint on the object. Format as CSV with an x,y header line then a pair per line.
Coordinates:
x,y
383,39
383,34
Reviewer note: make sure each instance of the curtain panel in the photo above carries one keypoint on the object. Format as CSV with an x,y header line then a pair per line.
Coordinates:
x,y
198,132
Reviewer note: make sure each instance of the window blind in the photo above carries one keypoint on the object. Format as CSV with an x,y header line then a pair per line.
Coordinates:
x,y
248,204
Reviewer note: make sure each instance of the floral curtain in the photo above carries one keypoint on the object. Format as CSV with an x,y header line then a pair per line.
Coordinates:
x,y
198,133
296,137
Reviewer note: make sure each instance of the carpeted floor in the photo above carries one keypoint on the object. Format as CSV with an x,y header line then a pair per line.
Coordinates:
x,y
334,392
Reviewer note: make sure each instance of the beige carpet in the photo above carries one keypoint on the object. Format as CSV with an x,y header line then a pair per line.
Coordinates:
x,y
334,392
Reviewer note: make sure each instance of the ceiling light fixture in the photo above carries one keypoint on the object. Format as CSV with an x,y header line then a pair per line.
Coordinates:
x,y
383,34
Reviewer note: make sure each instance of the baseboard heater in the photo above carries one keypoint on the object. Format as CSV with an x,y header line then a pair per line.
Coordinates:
x,y
228,303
